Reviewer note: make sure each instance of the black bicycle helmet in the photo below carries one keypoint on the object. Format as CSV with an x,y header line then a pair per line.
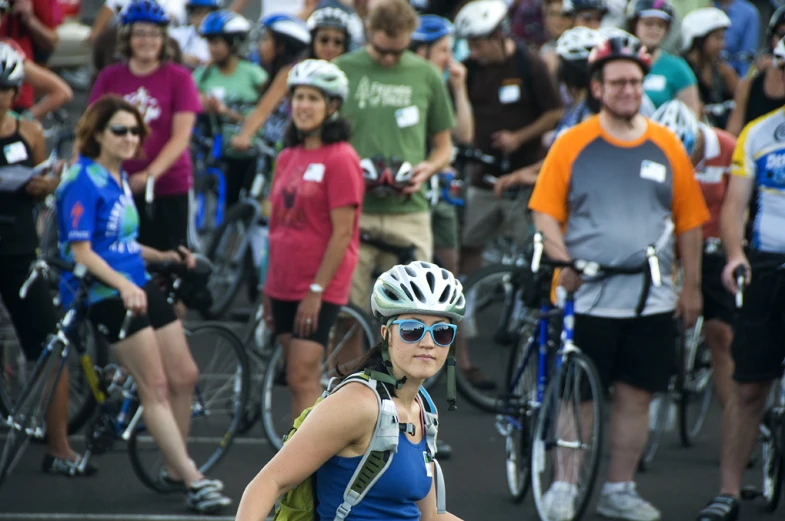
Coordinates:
x,y
778,18
648,9
622,47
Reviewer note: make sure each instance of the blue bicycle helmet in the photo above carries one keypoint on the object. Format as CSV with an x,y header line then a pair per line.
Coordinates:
x,y
146,11
224,23
211,4
431,29
287,25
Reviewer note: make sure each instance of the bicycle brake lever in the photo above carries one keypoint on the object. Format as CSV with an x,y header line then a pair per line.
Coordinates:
x,y
654,266
537,255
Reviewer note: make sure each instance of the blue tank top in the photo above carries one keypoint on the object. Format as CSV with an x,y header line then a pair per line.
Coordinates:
x,y
394,496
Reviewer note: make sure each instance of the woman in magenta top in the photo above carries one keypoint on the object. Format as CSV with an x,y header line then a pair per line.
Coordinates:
x,y
314,238
167,97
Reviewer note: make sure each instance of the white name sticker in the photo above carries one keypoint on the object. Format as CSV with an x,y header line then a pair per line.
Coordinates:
x,y
655,82
407,116
428,465
314,172
653,171
711,175
509,94
15,152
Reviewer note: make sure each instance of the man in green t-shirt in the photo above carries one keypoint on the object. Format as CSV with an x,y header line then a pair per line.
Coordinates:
x,y
397,104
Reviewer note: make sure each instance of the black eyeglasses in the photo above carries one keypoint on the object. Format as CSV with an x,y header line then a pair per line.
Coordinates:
x,y
120,130
324,40
381,51
412,331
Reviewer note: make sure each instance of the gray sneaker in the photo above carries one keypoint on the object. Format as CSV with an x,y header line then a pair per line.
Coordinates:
x,y
205,497
627,504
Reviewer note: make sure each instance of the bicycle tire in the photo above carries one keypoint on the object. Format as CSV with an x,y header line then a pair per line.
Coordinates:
x,y
150,475
552,393
487,401
696,389
773,451
518,443
662,403
271,422
239,213
19,435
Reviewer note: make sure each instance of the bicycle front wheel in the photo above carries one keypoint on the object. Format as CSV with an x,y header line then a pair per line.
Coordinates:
x,y
659,410
219,402
696,389
568,436
342,354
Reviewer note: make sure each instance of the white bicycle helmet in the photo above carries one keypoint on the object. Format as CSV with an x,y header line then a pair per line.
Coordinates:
x,y
779,53
480,18
11,67
700,22
576,43
680,120
329,17
321,75
418,288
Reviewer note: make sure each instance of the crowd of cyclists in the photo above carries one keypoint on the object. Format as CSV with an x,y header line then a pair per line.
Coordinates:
x,y
612,125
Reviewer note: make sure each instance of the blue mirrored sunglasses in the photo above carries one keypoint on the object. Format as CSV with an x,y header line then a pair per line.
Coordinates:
x,y
412,331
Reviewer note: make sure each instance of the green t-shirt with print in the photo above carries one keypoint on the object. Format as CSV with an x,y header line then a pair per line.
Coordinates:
x,y
668,75
393,112
240,88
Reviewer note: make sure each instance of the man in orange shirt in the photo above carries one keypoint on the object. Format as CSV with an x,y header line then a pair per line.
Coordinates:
x,y
609,187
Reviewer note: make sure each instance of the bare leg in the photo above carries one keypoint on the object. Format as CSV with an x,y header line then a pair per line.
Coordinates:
x,y
57,419
629,431
181,373
303,371
719,337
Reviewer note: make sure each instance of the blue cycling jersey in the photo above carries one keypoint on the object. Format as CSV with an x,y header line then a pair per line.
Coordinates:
x,y
92,206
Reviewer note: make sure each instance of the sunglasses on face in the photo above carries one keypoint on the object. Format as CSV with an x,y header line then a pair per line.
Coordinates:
x,y
147,34
412,331
381,51
120,130
324,40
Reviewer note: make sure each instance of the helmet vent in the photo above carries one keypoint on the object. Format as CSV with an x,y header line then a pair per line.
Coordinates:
x,y
445,296
417,293
410,271
445,274
406,290
431,281
391,295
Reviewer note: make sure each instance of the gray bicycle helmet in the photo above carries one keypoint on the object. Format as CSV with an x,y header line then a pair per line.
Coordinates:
x,y
11,67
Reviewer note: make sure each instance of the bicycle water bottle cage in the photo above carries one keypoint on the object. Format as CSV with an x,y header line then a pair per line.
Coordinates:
x,y
386,177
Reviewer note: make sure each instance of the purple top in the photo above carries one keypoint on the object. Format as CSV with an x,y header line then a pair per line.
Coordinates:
x,y
158,96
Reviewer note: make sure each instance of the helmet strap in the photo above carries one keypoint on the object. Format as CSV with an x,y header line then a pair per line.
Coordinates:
x,y
451,390
388,378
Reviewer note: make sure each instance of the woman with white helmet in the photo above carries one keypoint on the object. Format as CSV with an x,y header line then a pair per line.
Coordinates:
x,y
763,88
284,41
315,202
334,31
419,305
229,88
703,41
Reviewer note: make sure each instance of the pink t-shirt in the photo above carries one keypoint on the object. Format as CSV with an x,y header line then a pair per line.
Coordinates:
x,y
159,96
308,184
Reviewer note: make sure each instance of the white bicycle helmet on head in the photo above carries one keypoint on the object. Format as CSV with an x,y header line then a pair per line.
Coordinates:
x,y
576,43
480,18
680,120
419,288
779,54
11,67
321,75
700,22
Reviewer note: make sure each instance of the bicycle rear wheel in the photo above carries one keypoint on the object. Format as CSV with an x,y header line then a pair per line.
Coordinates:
x,y
696,390
218,405
659,410
276,399
569,426
490,329
230,263
26,418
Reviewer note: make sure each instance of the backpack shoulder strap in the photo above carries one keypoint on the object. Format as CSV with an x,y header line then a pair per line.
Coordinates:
x,y
430,417
378,456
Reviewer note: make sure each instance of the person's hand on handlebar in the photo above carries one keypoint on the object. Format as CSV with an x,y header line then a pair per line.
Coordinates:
x,y
420,174
729,273
182,254
570,280
134,299
690,305
241,142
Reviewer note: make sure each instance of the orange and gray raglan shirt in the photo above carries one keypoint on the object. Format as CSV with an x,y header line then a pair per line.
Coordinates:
x,y
614,198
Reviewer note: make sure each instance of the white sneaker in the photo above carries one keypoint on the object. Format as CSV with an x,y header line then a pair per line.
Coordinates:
x,y
559,501
627,504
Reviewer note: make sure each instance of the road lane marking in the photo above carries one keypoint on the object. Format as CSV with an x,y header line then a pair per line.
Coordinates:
x,y
112,517
215,440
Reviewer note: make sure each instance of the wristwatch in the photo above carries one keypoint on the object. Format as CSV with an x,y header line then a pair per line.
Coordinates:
x,y
316,288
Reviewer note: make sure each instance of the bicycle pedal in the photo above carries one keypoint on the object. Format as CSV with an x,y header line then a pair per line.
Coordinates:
x,y
750,493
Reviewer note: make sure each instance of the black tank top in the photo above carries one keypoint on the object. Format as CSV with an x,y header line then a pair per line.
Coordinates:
x,y
758,103
17,225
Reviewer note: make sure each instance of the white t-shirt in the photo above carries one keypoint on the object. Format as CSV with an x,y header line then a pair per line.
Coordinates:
x,y
175,8
190,42
282,6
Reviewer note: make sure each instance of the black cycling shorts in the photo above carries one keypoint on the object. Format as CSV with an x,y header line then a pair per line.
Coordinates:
x,y
639,351
285,312
166,227
759,329
108,315
718,303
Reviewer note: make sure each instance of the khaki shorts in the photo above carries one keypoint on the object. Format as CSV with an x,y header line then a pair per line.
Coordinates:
x,y
444,224
488,216
406,229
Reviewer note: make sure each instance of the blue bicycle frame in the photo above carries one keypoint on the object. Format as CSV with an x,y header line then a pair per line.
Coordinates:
x,y
215,154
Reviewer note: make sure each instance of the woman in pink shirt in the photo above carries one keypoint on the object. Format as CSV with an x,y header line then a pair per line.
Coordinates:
x,y
167,97
314,238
